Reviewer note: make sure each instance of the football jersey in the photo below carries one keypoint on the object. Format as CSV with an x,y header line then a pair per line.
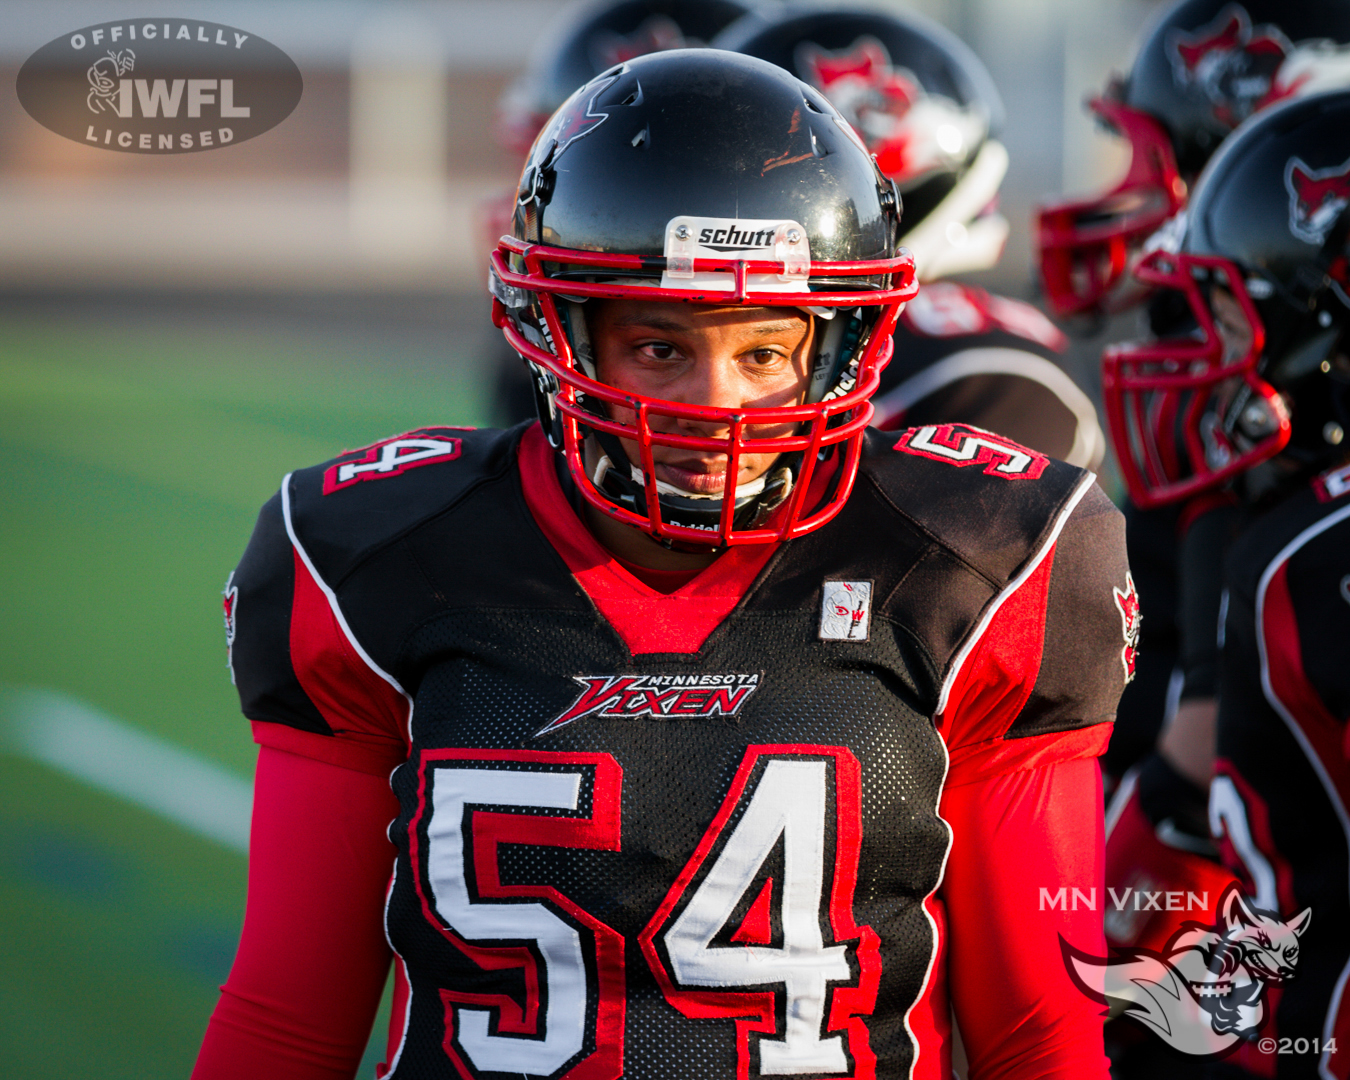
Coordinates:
x,y
677,835
1282,784
966,355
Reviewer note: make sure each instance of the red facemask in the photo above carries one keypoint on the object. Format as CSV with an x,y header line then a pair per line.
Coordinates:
x,y
1086,246
821,429
1187,413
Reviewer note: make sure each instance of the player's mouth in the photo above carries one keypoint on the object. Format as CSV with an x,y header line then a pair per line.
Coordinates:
x,y
700,478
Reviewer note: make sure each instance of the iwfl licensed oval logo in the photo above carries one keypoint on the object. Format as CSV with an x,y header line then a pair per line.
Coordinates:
x,y
159,86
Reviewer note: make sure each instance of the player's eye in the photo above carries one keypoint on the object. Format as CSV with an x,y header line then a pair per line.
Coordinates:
x,y
658,350
1263,939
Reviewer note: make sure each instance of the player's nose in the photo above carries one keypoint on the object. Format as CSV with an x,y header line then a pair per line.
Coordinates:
x,y
713,380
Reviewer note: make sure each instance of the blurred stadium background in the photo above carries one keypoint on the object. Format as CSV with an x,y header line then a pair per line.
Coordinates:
x,y
175,334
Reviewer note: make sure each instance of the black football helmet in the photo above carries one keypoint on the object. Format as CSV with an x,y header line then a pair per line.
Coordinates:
x,y
1254,386
1204,66
589,38
922,102
700,176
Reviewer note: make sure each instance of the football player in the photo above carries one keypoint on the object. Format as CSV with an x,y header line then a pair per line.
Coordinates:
x,y
1203,67
1256,399
927,108
729,737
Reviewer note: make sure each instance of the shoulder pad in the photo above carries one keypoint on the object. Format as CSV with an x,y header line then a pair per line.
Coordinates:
x,y
343,509
987,499
948,309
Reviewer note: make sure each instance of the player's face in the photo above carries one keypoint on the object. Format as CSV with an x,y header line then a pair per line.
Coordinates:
x,y
1231,322
698,354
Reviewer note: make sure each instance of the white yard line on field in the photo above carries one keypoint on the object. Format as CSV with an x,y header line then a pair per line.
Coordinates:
x,y
75,738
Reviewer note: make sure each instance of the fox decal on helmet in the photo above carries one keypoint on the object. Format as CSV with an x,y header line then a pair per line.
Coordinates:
x,y
924,105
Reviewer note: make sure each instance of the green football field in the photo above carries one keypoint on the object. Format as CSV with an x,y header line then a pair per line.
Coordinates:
x,y
137,448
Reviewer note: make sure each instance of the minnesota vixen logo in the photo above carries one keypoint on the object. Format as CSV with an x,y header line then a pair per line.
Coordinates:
x,y
1204,993
1316,198
1231,62
965,444
666,697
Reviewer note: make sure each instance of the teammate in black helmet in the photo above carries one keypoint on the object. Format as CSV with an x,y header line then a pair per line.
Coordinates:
x,y
729,737
1202,68
1255,401
928,110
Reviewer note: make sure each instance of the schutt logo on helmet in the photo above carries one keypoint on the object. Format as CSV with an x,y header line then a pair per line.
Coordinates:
x,y
159,86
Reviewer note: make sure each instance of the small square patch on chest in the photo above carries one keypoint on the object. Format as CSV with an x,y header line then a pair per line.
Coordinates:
x,y
846,611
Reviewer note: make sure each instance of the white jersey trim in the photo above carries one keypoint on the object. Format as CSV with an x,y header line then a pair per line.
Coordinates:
x,y
1089,443
333,604
1268,689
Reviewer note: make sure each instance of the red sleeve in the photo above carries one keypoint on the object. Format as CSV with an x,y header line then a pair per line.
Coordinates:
x,y
1016,839
312,961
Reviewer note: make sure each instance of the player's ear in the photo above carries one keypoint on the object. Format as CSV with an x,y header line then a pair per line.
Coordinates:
x,y
1300,922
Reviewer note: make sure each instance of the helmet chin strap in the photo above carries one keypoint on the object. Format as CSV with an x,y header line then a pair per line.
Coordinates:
x,y
625,485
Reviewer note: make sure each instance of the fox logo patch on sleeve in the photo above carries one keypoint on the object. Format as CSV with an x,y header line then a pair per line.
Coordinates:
x,y
231,600
1127,603
965,444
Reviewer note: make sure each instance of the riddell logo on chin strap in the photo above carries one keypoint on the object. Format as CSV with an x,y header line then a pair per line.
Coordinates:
x,y
660,697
